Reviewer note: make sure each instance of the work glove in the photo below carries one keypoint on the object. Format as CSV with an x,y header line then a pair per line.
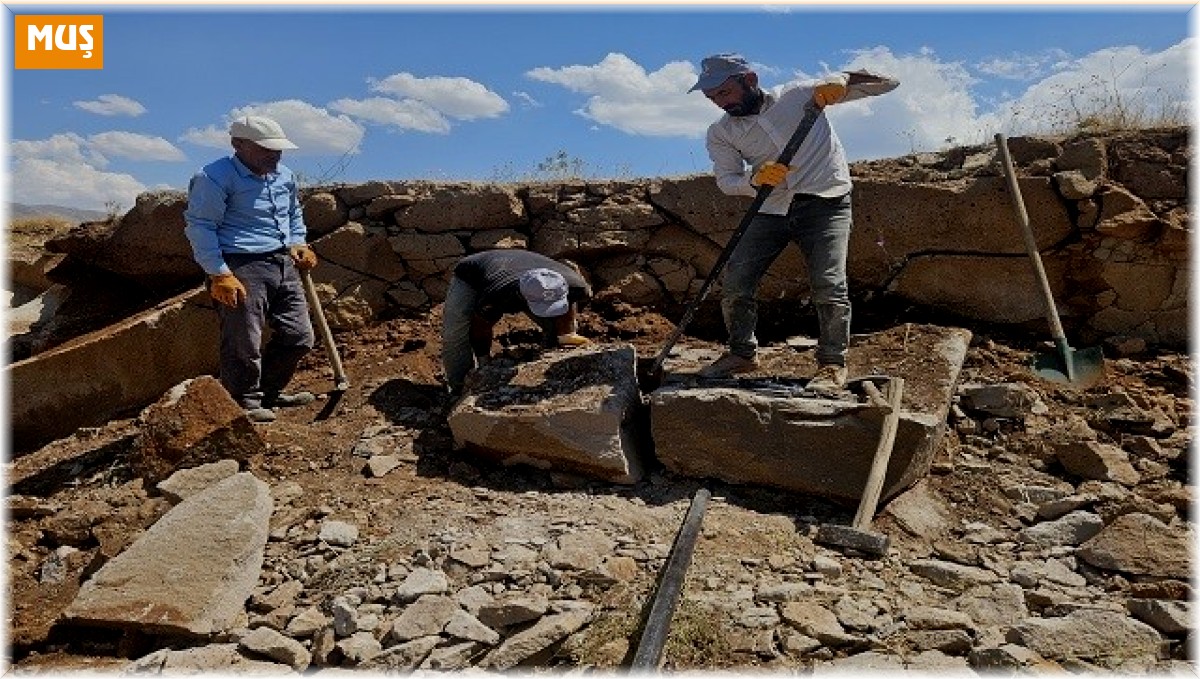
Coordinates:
x,y
227,289
303,256
770,174
829,93
572,339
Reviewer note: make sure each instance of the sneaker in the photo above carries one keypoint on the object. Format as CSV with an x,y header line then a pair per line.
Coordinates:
x,y
728,364
829,377
260,414
300,398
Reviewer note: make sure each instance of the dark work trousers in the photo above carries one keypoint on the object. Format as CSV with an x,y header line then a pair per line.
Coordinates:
x,y
275,299
821,227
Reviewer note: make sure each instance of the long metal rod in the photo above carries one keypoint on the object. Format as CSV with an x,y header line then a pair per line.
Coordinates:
x,y
658,622
318,314
811,112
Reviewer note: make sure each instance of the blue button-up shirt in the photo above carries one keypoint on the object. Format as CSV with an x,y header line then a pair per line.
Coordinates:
x,y
231,209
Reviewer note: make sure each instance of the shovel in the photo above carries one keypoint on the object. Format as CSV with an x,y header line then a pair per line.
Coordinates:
x,y
341,383
654,377
1074,367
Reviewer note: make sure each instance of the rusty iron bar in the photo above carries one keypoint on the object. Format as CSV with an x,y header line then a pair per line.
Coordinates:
x,y
658,622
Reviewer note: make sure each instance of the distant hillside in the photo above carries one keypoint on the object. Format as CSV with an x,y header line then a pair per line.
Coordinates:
x,y
68,213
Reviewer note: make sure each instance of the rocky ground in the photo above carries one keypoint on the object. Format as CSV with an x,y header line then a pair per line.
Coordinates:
x,y
1050,534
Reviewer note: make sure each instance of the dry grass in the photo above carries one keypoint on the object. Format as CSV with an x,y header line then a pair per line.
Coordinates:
x,y
34,231
696,640
38,225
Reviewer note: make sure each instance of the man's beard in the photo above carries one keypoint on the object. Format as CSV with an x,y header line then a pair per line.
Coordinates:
x,y
752,98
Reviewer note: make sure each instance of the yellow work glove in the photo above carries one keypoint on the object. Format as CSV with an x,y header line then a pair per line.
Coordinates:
x,y
227,289
770,174
303,256
572,340
828,93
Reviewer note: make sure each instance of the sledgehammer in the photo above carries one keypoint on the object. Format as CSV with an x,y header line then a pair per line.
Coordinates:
x,y
858,535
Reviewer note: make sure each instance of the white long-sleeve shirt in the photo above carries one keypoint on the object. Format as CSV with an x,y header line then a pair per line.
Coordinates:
x,y
819,166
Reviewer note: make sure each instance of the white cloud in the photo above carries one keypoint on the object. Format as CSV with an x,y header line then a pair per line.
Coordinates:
x,y
211,136
112,105
933,103
934,107
526,99
1019,66
625,96
1145,88
458,98
60,148
134,146
314,130
407,114
62,170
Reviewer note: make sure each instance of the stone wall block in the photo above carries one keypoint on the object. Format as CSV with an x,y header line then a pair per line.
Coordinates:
x,y
575,411
454,207
323,213
123,367
362,249
1086,156
146,245
427,254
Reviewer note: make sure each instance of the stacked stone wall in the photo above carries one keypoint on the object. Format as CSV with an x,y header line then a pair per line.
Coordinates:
x,y
1109,213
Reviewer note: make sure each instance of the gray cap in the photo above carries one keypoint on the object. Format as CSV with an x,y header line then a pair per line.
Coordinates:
x,y
545,291
718,68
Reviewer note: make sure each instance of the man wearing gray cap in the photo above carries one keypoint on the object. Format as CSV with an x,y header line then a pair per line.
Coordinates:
x,y
489,284
247,232
810,205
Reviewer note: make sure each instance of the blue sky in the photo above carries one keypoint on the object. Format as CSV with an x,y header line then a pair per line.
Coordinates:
x,y
490,92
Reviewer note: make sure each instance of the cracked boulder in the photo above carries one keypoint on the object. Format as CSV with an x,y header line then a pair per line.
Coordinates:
x,y
573,412
770,431
194,423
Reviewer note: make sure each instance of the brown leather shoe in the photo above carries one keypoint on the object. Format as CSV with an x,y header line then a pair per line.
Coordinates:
x,y
829,377
728,364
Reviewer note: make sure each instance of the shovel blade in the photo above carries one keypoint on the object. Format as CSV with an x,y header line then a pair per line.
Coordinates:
x,y
1074,367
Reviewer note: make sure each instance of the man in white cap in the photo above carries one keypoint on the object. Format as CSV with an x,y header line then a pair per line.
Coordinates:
x,y
489,284
809,206
247,231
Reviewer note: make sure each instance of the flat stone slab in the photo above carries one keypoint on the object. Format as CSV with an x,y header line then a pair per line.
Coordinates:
x,y
764,428
190,573
574,411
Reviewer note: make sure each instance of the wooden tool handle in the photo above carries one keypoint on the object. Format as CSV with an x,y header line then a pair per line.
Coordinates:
x,y
883,454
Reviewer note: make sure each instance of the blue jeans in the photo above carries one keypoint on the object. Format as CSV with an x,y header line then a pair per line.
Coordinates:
x,y
274,298
821,227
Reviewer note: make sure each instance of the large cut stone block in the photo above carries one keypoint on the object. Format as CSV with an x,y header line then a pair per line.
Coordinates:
x,y
571,411
812,445
125,366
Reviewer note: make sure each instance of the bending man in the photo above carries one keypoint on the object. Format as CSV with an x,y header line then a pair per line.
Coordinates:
x,y
489,284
